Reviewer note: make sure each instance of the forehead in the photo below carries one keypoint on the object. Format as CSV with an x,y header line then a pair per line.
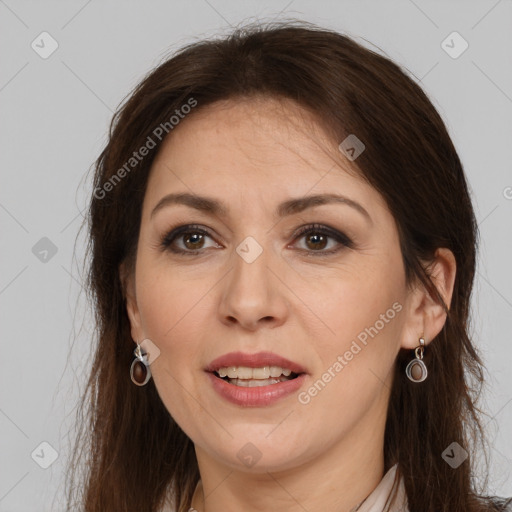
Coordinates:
x,y
266,130
262,148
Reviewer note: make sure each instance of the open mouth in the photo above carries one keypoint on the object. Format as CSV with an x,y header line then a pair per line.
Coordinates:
x,y
244,376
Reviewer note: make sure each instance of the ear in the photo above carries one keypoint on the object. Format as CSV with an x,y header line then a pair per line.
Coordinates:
x,y
128,285
425,316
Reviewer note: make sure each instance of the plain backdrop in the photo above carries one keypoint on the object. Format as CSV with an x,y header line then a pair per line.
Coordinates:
x,y
55,112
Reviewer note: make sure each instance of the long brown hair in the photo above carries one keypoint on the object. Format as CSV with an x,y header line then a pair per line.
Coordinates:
x,y
130,449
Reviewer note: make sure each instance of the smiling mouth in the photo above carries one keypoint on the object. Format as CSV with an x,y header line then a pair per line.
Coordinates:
x,y
244,376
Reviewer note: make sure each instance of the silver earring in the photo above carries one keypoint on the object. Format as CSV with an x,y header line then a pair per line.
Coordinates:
x,y
139,370
416,370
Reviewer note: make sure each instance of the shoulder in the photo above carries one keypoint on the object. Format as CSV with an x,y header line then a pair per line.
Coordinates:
x,y
501,504
507,505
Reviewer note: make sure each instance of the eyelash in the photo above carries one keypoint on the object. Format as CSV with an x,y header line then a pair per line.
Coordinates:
x,y
341,238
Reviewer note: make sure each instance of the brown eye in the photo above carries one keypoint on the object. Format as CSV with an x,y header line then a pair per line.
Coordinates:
x,y
193,240
316,241
317,238
188,239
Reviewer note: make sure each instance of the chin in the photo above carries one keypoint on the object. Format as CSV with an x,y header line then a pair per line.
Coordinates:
x,y
260,453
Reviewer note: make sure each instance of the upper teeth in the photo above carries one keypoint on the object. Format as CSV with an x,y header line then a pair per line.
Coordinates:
x,y
244,372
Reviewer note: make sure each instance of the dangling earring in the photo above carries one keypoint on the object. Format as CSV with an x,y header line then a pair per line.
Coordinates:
x,y
139,370
416,369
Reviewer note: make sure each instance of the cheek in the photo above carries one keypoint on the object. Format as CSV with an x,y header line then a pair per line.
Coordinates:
x,y
166,299
364,319
170,321
350,302
170,306
355,369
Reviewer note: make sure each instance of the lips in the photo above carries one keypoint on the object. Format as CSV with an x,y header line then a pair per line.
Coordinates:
x,y
251,392
257,360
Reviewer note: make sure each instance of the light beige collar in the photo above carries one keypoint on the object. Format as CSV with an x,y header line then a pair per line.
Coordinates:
x,y
378,499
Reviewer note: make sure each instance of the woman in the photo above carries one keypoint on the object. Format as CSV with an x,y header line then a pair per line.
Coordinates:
x,y
282,255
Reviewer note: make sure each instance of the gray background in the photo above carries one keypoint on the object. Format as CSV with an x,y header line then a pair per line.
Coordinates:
x,y
55,113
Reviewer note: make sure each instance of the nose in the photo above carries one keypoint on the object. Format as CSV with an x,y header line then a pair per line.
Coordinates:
x,y
253,295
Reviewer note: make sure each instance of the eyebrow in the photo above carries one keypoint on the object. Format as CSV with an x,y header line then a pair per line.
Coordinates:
x,y
289,207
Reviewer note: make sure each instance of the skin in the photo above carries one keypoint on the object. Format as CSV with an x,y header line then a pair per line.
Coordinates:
x,y
253,154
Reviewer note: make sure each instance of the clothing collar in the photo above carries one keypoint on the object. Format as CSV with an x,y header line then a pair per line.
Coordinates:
x,y
380,498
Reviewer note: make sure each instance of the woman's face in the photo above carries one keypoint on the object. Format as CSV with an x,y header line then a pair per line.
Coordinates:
x,y
243,284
